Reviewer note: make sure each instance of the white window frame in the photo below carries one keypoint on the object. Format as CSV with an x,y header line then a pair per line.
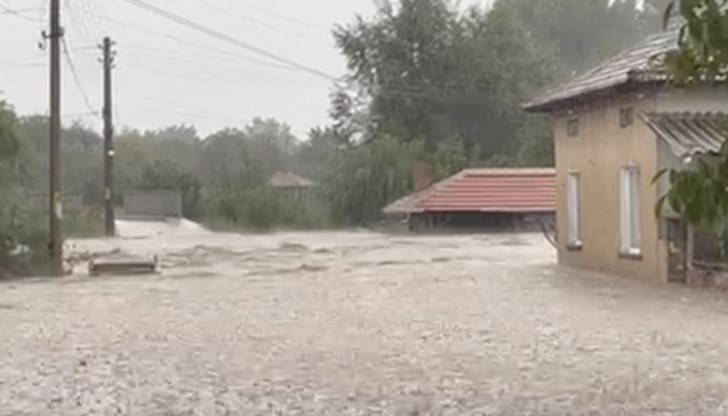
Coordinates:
x,y
573,210
630,218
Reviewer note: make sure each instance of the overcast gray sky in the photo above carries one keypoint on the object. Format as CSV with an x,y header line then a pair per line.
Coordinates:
x,y
169,74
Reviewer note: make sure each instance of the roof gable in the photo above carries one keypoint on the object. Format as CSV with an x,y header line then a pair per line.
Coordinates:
x,y
630,65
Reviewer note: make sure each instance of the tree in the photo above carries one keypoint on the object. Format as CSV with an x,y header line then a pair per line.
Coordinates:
x,y
434,75
583,32
81,156
317,156
366,178
16,229
700,195
166,175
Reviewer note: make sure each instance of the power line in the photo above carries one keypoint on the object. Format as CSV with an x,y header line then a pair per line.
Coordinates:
x,y
17,13
155,110
76,78
223,37
80,115
167,72
23,59
188,110
89,7
79,21
274,28
179,64
196,45
281,15
8,10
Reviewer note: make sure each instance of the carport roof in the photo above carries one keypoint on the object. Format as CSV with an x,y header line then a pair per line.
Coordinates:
x,y
688,134
485,190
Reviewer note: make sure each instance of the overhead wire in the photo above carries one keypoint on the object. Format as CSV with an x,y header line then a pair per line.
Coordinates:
x,y
186,42
17,13
226,38
168,72
280,15
142,97
79,21
269,26
89,8
156,111
76,78
184,65
79,115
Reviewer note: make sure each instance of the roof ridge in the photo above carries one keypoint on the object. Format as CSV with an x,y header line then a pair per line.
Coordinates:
x,y
609,73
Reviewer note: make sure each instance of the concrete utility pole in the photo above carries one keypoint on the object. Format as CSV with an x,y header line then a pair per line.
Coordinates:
x,y
108,140
55,245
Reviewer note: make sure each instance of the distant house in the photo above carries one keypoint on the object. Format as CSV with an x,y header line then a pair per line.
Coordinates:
x,y
290,184
615,127
481,199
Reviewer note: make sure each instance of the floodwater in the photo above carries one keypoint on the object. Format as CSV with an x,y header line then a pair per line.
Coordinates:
x,y
357,323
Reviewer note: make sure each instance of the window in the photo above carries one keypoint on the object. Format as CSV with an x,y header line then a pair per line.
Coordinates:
x,y
630,212
573,203
572,127
626,116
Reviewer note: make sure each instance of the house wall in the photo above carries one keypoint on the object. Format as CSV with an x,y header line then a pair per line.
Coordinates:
x,y
601,148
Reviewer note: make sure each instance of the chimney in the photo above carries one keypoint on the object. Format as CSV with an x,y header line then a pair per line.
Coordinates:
x,y
421,176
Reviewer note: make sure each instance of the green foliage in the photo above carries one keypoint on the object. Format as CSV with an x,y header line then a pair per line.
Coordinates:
x,y
434,75
166,175
700,192
450,159
703,53
262,208
368,177
23,239
9,144
536,146
583,32
22,236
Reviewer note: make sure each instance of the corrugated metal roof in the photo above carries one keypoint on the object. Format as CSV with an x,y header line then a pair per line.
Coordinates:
x,y
630,65
486,190
688,134
290,180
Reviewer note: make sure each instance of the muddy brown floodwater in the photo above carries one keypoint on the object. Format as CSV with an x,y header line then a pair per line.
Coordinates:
x,y
358,324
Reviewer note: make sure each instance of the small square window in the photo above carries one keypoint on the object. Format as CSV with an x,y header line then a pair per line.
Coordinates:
x,y
572,127
626,116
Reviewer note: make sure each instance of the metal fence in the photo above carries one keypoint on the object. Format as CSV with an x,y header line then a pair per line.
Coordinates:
x,y
153,204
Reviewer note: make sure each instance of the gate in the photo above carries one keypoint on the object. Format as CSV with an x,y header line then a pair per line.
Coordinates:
x,y
152,204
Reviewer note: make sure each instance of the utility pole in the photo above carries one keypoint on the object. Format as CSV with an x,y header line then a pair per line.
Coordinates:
x,y
55,245
108,62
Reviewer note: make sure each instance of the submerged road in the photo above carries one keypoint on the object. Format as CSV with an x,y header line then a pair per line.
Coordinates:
x,y
357,324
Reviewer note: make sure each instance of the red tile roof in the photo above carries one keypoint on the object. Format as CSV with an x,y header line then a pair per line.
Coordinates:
x,y
485,190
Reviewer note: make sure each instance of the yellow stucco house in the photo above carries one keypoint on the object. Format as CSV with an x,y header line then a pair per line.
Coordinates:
x,y
615,127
